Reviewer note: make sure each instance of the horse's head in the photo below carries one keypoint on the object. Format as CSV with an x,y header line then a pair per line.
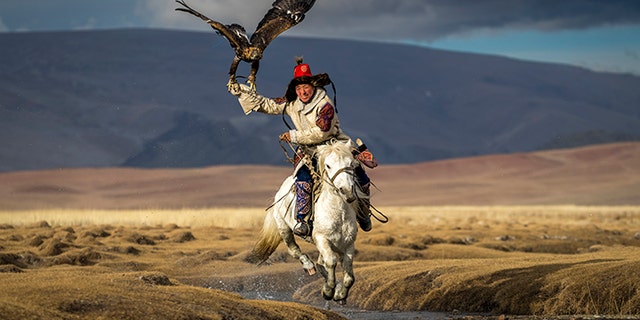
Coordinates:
x,y
337,164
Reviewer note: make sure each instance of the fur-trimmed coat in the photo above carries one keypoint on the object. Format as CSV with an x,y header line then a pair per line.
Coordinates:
x,y
315,122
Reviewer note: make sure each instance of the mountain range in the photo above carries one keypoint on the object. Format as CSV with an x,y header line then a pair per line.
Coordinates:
x,y
158,99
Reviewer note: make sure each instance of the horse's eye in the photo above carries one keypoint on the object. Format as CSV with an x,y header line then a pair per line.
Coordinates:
x,y
328,167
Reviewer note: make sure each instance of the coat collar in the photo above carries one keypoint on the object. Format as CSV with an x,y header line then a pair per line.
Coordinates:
x,y
305,108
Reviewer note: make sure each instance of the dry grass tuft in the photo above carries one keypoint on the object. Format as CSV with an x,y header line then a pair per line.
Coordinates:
x,y
182,236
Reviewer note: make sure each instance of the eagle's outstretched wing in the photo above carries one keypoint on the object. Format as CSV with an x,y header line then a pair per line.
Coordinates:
x,y
235,33
283,15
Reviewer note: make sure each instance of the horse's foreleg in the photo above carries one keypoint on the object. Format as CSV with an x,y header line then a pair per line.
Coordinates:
x,y
342,289
328,260
295,252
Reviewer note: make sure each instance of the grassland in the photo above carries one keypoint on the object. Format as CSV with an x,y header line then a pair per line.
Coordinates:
x,y
523,261
124,243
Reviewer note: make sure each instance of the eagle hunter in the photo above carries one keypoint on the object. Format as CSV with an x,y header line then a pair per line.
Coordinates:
x,y
283,15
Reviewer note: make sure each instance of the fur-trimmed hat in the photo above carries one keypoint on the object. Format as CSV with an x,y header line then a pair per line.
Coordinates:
x,y
302,74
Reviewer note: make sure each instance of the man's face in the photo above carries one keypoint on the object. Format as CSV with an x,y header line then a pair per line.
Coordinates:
x,y
305,92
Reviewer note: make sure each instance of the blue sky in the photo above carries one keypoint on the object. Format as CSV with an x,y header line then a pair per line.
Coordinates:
x,y
612,49
602,35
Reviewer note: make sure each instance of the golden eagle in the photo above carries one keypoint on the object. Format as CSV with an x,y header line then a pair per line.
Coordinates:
x,y
283,15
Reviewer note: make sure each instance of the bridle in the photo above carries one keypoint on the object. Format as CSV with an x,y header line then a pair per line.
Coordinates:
x,y
349,170
330,181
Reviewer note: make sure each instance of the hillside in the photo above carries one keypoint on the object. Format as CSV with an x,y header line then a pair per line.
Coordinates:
x,y
157,99
596,175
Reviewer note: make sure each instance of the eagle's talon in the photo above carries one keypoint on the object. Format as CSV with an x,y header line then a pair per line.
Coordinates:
x,y
234,87
252,85
231,82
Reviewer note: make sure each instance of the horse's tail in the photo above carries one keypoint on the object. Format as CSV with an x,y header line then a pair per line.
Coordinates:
x,y
268,240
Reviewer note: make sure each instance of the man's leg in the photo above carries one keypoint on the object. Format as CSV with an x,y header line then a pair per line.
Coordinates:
x,y
303,188
364,212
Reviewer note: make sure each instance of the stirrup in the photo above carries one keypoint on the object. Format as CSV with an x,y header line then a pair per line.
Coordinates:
x,y
365,222
302,229
364,216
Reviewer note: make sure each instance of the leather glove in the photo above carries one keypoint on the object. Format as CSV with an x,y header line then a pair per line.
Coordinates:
x,y
286,137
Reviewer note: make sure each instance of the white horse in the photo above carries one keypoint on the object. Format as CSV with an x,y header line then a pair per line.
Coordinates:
x,y
334,224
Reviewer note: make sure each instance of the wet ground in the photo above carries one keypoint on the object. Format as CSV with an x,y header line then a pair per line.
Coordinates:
x,y
353,313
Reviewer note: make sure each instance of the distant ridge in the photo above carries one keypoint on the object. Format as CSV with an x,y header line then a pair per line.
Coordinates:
x,y
596,175
157,99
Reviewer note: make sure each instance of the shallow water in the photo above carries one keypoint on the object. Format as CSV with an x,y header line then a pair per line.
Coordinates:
x,y
384,315
352,313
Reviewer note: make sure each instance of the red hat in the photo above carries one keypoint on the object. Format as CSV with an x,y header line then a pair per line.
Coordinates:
x,y
301,70
302,74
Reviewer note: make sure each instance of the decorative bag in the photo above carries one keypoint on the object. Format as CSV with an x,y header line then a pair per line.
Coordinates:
x,y
365,156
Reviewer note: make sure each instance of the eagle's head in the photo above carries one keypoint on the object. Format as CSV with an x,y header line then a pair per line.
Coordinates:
x,y
253,53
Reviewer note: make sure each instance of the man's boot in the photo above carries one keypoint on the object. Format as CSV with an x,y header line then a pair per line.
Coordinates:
x,y
303,208
364,212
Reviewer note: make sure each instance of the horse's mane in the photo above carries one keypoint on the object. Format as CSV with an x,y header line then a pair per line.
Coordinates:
x,y
341,148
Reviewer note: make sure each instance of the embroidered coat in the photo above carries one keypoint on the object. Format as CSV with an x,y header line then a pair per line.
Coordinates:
x,y
315,122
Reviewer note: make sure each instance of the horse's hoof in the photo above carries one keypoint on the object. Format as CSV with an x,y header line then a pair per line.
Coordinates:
x,y
307,265
311,271
340,293
327,292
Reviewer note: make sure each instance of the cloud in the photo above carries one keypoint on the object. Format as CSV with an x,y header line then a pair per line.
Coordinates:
x,y
409,19
399,20
434,19
245,12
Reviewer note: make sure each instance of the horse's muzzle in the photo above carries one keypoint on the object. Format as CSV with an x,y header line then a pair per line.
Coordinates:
x,y
349,194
